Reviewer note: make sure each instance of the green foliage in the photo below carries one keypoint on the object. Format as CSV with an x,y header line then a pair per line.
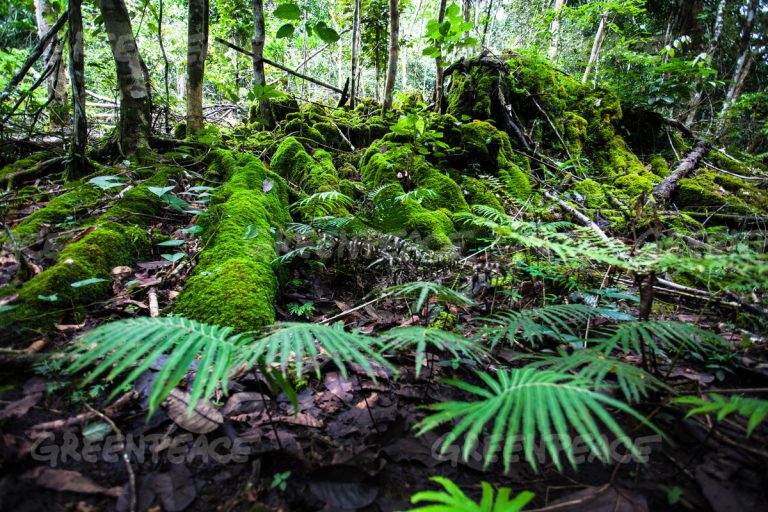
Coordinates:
x,y
756,410
421,338
450,35
659,335
301,310
523,404
322,204
453,499
425,289
133,346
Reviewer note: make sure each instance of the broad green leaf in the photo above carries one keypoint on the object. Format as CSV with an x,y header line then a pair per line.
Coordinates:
x,y
106,182
173,258
87,282
171,243
286,30
192,230
48,298
287,11
161,191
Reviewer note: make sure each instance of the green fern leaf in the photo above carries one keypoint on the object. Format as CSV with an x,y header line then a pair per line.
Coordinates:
x,y
526,403
420,339
299,344
424,289
756,410
453,499
659,335
132,346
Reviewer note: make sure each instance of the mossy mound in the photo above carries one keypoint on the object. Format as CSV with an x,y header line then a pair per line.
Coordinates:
x,y
234,283
311,173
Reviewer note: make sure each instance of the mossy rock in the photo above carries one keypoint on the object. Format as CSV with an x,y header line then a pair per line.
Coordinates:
x,y
25,163
477,192
312,174
280,108
593,193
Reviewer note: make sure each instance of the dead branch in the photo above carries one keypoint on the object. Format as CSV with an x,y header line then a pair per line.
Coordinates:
x,y
664,190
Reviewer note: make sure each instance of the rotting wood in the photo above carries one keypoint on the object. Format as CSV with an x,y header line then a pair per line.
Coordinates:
x,y
664,190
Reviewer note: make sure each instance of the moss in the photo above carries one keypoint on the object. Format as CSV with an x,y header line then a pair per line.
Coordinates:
x,y
477,193
294,164
180,131
279,107
234,283
69,204
632,185
659,166
94,256
301,128
593,193
445,321
26,162
408,100
469,95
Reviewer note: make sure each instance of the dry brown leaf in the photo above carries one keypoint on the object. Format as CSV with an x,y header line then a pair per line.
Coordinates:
x,y
244,403
71,481
202,419
302,419
20,407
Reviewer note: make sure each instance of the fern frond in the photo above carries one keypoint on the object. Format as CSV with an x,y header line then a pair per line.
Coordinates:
x,y
322,203
756,410
372,194
634,382
533,324
417,194
421,339
297,345
523,404
453,499
425,289
132,346
657,335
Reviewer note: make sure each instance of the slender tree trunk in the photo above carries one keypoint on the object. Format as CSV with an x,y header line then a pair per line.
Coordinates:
x,y
77,78
440,72
166,69
257,46
57,82
595,48
394,45
744,61
132,78
717,30
197,51
487,21
355,52
554,29
466,11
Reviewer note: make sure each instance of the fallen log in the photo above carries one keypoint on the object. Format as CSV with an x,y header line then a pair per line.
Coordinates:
x,y
664,190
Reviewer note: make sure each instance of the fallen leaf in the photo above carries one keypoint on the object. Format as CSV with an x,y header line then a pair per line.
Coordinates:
x,y
70,481
244,403
175,488
20,407
202,419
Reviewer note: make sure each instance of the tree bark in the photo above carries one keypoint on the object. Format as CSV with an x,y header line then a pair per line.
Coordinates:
x,y
166,69
394,45
595,48
440,72
554,29
259,39
466,11
132,78
77,78
717,30
355,53
197,51
57,81
664,190
744,61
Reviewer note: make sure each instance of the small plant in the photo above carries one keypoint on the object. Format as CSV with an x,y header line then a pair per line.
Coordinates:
x,y
453,499
756,410
280,480
301,310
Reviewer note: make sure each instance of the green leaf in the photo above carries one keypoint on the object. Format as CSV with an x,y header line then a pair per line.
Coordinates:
x,y
286,30
173,258
171,243
48,298
161,191
87,282
8,307
250,232
201,213
106,182
287,11
326,33
192,230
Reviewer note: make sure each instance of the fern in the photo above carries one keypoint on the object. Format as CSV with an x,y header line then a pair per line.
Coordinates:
x,y
659,334
132,346
453,499
756,410
119,346
634,382
424,289
322,203
524,403
301,344
556,320
439,340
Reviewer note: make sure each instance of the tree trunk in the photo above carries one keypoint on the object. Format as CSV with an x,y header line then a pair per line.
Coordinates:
x,y
197,50
77,78
132,78
717,30
554,29
257,46
595,48
394,45
440,72
355,52
166,69
744,61
57,82
466,11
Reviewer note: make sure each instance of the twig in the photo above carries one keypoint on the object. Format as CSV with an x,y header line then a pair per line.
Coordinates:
x,y
126,457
